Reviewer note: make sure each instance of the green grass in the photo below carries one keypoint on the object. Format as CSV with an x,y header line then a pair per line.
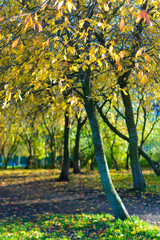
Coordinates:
x,y
78,226
83,226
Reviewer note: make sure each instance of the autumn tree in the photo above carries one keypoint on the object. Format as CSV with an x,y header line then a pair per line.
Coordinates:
x,y
67,45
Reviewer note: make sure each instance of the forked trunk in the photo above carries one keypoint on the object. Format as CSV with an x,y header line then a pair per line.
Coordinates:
x,y
110,192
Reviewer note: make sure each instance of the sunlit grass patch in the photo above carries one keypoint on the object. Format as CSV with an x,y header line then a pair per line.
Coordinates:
x,y
121,179
78,226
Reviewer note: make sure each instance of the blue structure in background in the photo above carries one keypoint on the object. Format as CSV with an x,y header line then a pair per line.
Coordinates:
x,y
22,162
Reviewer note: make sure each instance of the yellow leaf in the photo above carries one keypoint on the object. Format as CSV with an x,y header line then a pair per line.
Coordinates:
x,y
99,63
146,68
81,23
69,6
74,68
147,57
63,88
45,43
60,4
139,52
105,6
15,43
27,19
140,74
21,46
144,79
122,54
35,17
84,67
111,49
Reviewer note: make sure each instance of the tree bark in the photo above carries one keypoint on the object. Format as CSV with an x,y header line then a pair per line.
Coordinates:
x,y
64,176
121,135
127,159
138,179
53,150
30,161
115,164
110,192
76,163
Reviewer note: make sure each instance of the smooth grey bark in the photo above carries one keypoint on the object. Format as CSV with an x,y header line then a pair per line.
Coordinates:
x,y
138,180
110,192
64,176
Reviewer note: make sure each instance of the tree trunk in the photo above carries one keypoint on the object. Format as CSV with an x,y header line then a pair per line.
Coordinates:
x,y
30,158
53,151
138,179
66,158
76,163
5,163
110,192
121,135
115,164
127,159
29,162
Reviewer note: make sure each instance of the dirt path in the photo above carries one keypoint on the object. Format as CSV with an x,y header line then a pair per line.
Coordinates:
x,y
29,199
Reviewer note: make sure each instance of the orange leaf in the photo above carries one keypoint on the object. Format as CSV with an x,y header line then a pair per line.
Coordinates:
x,y
121,24
121,54
119,67
148,19
136,65
65,64
139,17
143,14
38,27
1,19
15,43
21,46
46,43
27,19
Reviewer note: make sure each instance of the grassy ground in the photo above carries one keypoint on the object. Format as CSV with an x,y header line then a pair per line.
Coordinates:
x,y
77,226
121,179
83,226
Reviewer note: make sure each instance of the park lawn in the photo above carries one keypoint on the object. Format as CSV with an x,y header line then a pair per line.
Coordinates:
x,y
78,226
121,179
